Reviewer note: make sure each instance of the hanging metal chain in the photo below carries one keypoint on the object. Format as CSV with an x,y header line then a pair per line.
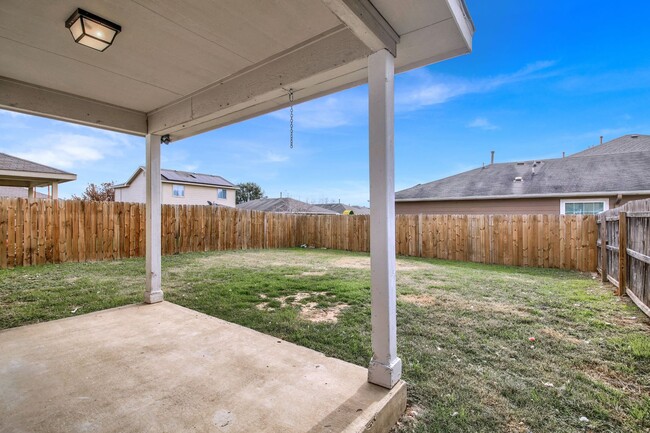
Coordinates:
x,y
291,119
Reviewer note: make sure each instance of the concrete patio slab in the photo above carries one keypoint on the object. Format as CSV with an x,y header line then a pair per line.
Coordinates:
x,y
165,368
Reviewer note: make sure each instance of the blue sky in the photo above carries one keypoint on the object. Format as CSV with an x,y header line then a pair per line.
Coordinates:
x,y
544,77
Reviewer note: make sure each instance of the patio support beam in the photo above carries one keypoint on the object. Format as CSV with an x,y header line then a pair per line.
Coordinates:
x,y
41,101
367,24
385,367
263,88
153,293
55,190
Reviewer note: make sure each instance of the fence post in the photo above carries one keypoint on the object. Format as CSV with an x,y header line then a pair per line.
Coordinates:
x,y
603,247
419,216
622,253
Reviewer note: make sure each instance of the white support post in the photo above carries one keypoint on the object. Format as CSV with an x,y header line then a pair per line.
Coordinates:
x,y
30,193
153,292
385,367
55,190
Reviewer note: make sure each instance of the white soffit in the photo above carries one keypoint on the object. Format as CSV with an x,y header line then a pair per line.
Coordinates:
x,y
194,65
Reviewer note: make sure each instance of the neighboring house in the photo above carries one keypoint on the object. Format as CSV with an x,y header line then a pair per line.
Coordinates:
x,y
284,205
588,182
18,192
180,187
27,175
345,208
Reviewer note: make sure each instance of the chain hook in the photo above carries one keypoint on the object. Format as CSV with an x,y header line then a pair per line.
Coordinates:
x,y
291,118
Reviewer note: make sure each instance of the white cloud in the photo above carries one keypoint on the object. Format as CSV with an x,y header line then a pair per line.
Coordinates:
x,y
482,123
275,157
328,112
422,89
414,90
68,150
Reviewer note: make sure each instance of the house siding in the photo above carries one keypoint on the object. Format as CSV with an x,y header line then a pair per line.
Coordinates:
x,y
497,207
194,194
134,193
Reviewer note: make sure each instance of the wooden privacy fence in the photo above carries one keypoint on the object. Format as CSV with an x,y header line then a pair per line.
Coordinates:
x,y
45,231
624,250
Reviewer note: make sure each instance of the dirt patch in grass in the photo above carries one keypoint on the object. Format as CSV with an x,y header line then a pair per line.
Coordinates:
x,y
364,263
419,300
561,336
517,427
460,303
604,374
307,310
311,312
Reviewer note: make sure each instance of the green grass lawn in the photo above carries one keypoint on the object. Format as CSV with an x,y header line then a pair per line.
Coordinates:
x,y
463,329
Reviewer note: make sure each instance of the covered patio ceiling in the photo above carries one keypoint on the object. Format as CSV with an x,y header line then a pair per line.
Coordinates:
x,y
182,67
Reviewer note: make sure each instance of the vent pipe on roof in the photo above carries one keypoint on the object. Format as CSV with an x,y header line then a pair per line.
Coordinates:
x,y
492,158
601,139
562,154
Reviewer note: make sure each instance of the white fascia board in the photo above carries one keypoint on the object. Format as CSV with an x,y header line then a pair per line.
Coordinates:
x,y
40,101
463,20
367,24
514,197
32,175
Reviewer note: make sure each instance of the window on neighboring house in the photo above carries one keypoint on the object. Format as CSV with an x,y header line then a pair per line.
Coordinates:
x,y
178,190
221,193
583,207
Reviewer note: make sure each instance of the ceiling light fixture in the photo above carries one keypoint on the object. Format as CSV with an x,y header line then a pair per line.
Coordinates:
x,y
91,30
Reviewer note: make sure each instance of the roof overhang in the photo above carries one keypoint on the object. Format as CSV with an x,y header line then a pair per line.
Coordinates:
x,y
33,179
182,68
525,196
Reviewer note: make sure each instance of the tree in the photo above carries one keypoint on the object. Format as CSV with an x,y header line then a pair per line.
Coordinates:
x,y
249,191
102,192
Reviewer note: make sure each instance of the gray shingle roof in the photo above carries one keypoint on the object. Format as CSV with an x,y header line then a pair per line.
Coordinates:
x,y
8,162
340,208
199,178
576,174
625,144
284,205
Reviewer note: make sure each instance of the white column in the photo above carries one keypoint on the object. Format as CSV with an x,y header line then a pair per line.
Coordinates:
x,y
30,193
55,190
385,367
153,292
